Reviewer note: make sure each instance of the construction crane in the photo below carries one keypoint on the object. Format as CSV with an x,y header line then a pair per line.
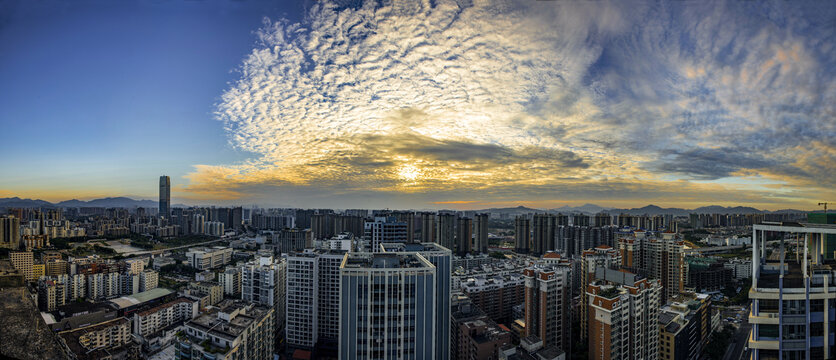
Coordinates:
x,y
825,207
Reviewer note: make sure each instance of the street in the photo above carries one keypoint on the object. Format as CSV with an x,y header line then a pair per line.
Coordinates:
x,y
735,351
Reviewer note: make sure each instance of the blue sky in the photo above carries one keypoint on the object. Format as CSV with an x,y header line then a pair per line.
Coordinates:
x,y
421,104
107,95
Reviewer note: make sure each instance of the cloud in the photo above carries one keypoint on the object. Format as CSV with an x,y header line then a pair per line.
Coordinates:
x,y
509,98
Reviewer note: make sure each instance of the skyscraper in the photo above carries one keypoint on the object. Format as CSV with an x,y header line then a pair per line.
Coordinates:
x,y
446,230
385,230
545,226
387,307
9,232
312,306
548,303
165,197
464,235
480,232
427,227
623,312
522,234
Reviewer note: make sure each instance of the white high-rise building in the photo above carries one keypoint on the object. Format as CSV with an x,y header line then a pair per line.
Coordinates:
x,y
262,282
387,307
313,283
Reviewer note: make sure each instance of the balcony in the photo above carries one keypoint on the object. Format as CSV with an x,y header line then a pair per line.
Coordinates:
x,y
764,318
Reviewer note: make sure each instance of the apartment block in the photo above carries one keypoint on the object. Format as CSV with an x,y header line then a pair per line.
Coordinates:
x,y
233,330
623,317
387,306
548,305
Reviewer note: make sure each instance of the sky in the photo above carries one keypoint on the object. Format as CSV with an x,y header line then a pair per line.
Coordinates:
x,y
421,104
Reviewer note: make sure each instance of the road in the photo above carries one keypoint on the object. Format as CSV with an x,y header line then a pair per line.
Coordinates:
x,y
741,336
160,251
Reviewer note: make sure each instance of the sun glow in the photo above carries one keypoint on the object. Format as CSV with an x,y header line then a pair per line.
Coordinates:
x,y
409,173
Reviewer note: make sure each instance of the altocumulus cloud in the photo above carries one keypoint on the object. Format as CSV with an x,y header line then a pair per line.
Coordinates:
x,y
492,96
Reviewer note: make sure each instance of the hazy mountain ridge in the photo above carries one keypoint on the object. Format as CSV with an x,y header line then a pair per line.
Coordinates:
x,y
109,202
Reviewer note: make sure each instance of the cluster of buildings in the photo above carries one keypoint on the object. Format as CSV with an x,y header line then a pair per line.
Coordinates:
x,y
381,284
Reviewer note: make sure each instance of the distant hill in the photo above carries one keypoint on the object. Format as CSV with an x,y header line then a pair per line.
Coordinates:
x,y
23,203
110,202
519,210
586,208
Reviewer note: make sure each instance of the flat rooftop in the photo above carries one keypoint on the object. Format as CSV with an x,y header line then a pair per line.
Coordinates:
x,y
385,261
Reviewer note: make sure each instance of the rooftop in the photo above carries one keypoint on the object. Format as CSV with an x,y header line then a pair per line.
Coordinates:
x,y
139,298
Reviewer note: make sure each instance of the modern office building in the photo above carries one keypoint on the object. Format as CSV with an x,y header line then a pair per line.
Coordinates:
x,y
480,233
312,306
522,234
165,197
388,307
464,236
206,258
548,305
446,230
793,298
623,316
232,330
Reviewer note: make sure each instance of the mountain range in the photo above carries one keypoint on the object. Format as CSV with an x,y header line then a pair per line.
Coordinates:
x,y
110,202
125,202
646,210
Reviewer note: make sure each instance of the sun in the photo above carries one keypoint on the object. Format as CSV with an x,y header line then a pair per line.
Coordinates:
x,y
409,173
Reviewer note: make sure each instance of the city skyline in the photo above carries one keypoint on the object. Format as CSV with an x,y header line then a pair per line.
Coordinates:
x,y
540,104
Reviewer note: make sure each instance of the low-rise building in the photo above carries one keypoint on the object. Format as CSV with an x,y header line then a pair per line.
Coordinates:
x,y
233,330
99,341
474,334
148,322
209,257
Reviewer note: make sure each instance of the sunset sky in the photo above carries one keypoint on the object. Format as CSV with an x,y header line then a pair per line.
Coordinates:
x,y
411,104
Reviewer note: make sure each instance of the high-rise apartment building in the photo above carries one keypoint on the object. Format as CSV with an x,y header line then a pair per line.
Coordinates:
x,y
464,236
623,317
496,295
446,230
660,258
165,197
792,297
312,307
522,234
289,240
591,260
684,327
9,232
263,283
545,226
230,281
441,258
388,307
475,335
480,233
384,230
548,305
407,217
428,227
23,260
